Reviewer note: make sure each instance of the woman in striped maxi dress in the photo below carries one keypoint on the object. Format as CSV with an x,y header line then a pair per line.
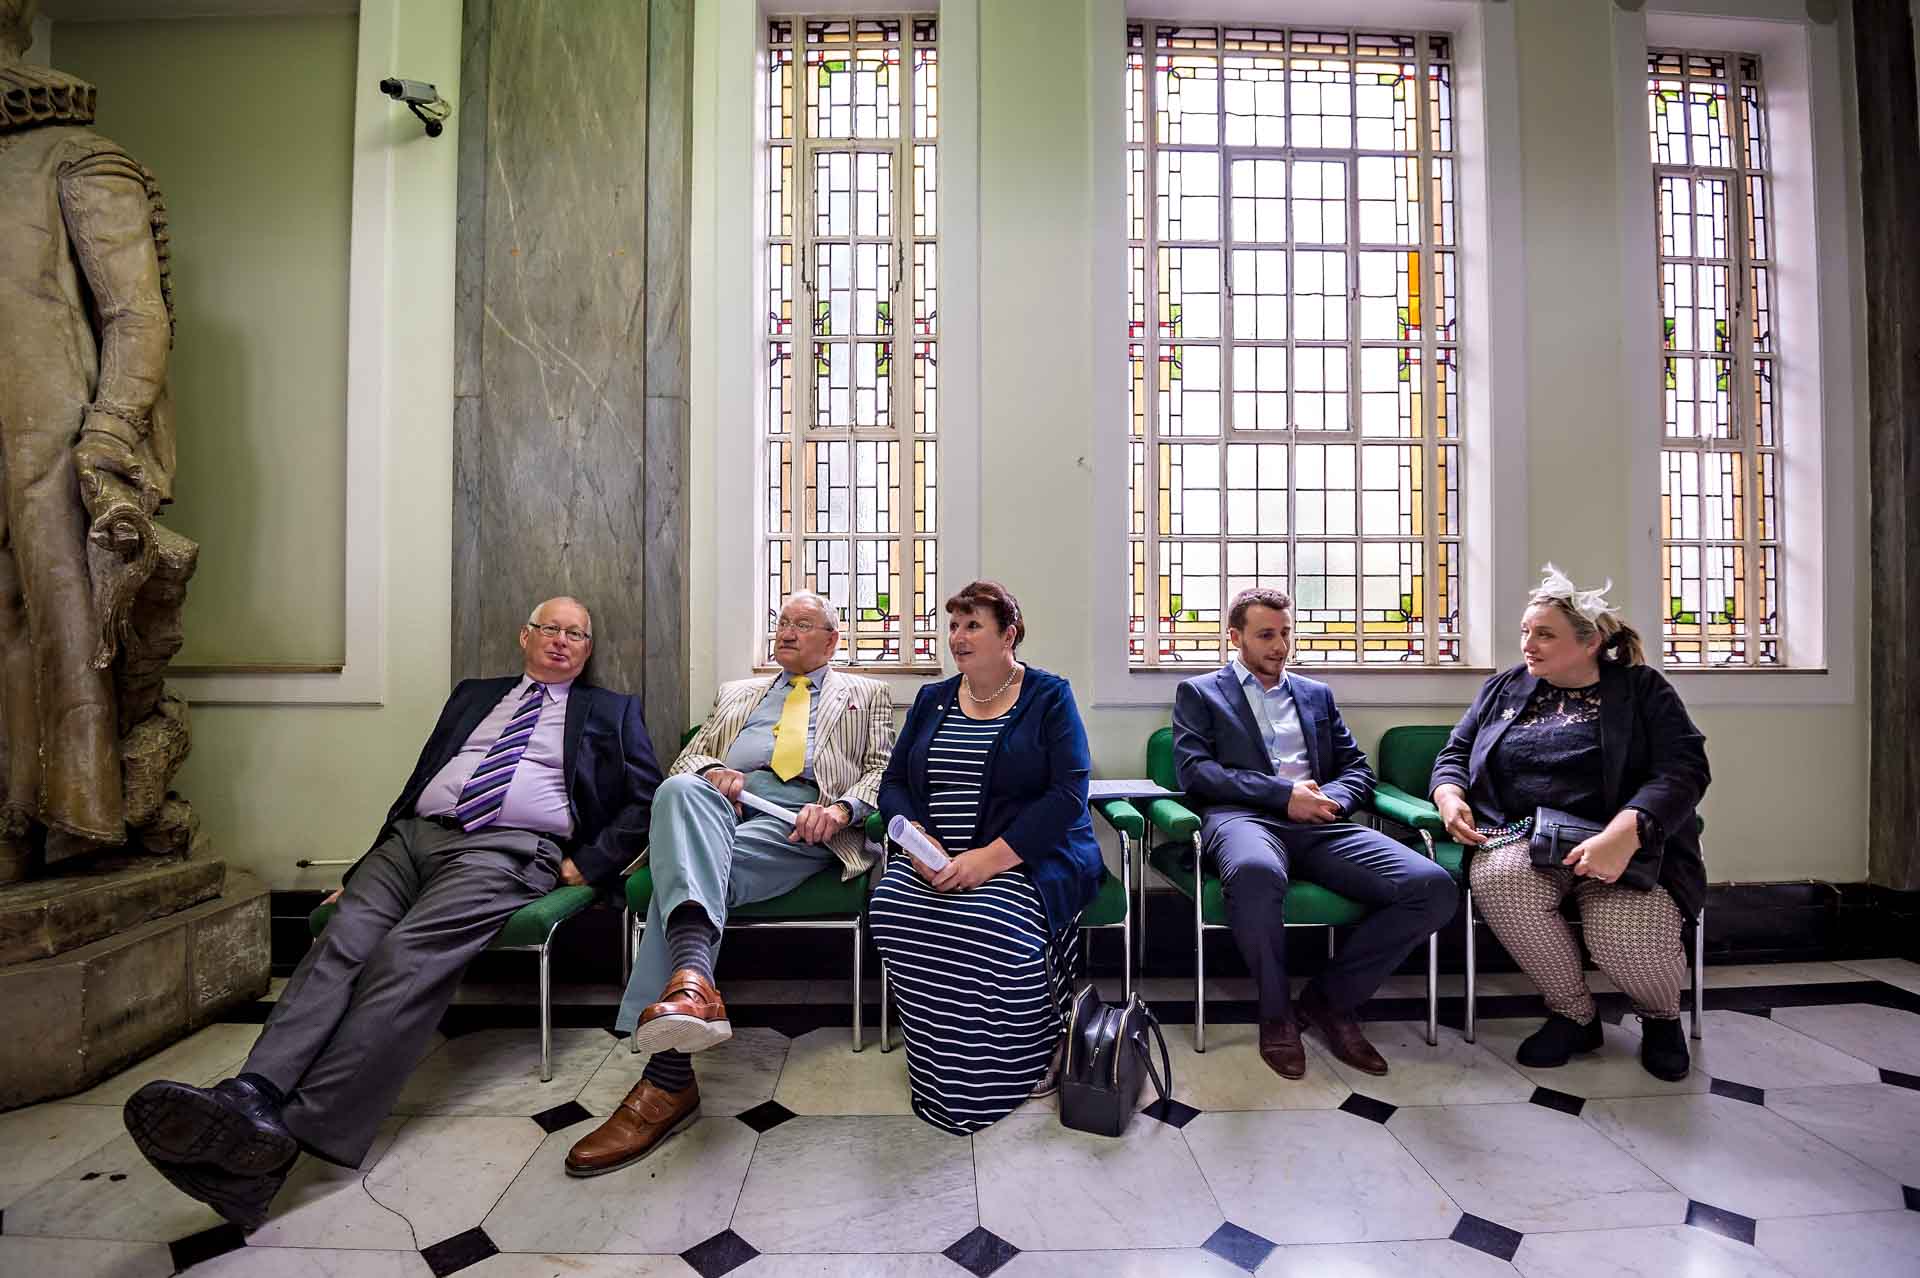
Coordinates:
x,y
993,764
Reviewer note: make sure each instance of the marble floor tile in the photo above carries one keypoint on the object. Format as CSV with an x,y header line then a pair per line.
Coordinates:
x,y
328,1207
111,1193
582,1264
1642,1253
1871,1245
912,1265
1534,1169
1231,989
824,1075
1877,1123
1167,1262
1044,1187
498,1072
83,1258
40,1141
1451,1072
1740,1157
1274,1174
1904,973
1422,1258
443,1175
1231,1075
870,1184
682,1193
735,1076
1738,974
1765,1053
313,1262
204,1057
1883,1036
1614,1070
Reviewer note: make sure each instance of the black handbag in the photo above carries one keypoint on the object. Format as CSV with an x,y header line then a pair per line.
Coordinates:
x,y
1109,1059
1556,833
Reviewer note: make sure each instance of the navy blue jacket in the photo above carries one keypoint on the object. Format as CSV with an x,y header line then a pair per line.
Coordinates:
x,y
1653,756
607,757
1033,794
1221,761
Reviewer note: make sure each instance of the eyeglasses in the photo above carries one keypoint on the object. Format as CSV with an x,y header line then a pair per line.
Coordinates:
x,y
799,627
554,632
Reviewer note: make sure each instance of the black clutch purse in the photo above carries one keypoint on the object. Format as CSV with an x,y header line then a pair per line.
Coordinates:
x,y
1556,833
1109,1058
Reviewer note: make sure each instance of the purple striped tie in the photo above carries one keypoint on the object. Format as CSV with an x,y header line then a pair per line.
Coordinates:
x,y
486,790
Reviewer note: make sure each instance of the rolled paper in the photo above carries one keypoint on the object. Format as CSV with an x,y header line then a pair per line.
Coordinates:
x,y
918,845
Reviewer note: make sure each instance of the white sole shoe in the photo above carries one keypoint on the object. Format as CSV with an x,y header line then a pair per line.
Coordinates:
x,y
673,1033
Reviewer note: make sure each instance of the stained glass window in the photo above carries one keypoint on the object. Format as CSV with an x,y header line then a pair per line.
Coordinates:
x,y
851,421
1720,466
1293,341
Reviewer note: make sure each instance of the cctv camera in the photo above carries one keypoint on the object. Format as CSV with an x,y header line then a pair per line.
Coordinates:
x,y
412,92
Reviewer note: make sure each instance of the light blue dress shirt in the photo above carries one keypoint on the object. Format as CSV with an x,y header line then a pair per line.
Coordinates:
x,y
1279,720
752,750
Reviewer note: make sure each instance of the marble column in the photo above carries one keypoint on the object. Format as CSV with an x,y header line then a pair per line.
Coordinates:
x,y
1884,57
570,432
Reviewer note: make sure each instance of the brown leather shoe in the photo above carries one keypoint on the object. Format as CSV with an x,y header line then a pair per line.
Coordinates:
x,y
1280,1048
688,1018
644,1120
1341,1031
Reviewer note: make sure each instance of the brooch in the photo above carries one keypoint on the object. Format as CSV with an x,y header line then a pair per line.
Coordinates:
x,y
1508,713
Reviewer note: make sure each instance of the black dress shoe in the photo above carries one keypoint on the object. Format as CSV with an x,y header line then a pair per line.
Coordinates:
x,y
1663,1048
232,1126
1553,1044
243,1200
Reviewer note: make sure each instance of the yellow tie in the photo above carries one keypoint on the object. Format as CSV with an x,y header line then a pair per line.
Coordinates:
x,y
790,734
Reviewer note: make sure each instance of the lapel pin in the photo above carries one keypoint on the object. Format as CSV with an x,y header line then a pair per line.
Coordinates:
x,y
1508,713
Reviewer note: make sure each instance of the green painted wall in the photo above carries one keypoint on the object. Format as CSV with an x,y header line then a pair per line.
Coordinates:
x,y
249,126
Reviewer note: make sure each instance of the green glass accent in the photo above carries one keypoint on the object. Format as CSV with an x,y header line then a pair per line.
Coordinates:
x,y
1722,379
1175,603
1406,607
885,313
1173,318
1674,608
823,318
1673,381
883,602
1720,335
1176,356
1667,327
1192,615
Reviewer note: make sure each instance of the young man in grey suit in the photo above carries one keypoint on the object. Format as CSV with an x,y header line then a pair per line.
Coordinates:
x,y
1278,773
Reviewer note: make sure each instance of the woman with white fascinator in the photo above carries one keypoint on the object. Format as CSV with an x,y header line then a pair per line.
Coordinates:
x,y
1578,771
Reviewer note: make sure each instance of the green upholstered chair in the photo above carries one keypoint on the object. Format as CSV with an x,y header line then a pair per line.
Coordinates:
x,y
531,928
1177,828
825,902
1400,799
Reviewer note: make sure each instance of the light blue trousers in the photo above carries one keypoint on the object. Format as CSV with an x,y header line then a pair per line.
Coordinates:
x,y
701,851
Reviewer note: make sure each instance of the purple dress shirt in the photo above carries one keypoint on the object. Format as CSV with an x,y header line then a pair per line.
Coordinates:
x,y
537,795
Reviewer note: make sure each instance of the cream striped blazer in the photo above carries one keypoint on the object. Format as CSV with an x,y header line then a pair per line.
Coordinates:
x,y
852,740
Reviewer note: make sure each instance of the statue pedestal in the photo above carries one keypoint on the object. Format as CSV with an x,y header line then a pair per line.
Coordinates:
x,y
79,1016
44,917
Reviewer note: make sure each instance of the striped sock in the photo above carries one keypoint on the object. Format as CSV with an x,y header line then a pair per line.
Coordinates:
x,y
690,939
669,1071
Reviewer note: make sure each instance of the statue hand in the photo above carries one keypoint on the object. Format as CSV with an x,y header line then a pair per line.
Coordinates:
x,y
102,452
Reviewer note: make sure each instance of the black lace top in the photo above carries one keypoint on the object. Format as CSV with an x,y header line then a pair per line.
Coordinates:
x,y
1550,756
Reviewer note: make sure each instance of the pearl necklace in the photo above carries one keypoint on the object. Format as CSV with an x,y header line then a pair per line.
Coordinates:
x,y
967,683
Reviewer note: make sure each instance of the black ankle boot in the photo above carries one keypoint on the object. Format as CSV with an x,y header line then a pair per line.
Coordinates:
x,y
1663,1048
1554,1043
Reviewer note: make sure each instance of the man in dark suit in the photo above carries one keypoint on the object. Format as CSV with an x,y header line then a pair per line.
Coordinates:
x,y
527,781
1267,754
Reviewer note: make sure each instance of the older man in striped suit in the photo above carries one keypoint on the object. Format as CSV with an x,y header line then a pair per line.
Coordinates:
x,y
811,739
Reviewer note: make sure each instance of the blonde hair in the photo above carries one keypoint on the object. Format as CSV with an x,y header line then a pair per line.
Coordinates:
x,y
1589,613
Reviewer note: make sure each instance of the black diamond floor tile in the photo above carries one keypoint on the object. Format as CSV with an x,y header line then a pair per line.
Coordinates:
x,y
1739,1092
451,1255
1719,1220
1171,1112
1897,1079
552,1120
1367,1107
205,1245
723,1253
765,1116
1484,1235
981,1252
1764,1013
1239,1247
1912,1196
1565,1102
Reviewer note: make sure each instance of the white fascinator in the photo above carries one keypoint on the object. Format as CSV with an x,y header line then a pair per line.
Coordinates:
x,y
1589,605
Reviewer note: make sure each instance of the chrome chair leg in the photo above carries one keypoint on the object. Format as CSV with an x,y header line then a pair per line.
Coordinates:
x,y
627,947
859,1030
886,1009
633,947
1433,989
1470,964
1140,894
1699,969
1199,953
546,1009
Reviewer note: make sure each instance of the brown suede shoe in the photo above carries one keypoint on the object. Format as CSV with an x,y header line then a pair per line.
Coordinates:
x,y
1341,1031
688,1018
644,1120
1280,1048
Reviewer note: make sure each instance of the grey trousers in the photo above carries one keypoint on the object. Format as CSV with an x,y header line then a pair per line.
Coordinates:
x,y
701,851
357,1013
1258,856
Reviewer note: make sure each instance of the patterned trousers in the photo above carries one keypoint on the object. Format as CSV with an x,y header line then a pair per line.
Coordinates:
x,y
1634,935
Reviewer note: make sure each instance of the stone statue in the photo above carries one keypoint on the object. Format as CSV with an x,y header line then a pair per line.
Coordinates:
x,y
91,586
